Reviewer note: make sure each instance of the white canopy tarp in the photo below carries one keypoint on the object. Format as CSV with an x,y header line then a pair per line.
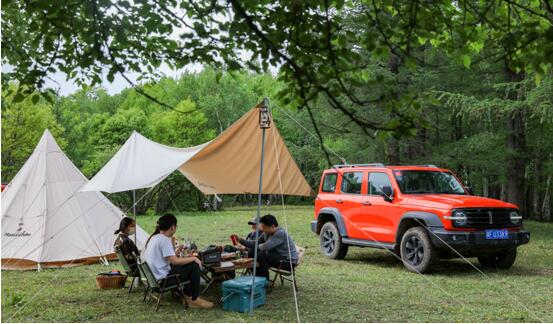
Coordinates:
x,y
228,164
47,221
139,163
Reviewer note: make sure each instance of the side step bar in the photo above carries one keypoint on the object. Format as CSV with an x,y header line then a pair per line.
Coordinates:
x,y
373,244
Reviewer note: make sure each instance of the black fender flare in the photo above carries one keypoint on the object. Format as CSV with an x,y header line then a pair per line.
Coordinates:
x,y
337,217
430,220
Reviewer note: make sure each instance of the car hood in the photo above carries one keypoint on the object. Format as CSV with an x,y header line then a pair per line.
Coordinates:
x,y
443,201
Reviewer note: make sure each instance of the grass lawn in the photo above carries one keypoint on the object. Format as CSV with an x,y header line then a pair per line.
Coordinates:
x,y
369,285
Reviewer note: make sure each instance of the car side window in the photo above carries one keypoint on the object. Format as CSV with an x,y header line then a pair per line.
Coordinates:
x,y
377,180
329,182
351,182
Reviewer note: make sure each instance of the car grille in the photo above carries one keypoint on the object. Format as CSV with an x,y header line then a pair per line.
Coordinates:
x,y
480,218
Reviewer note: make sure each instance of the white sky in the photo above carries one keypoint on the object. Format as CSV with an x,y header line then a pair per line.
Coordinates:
x,y
58,82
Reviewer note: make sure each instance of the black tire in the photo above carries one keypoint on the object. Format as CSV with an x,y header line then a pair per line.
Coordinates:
x,y
417,251
332,246
503,260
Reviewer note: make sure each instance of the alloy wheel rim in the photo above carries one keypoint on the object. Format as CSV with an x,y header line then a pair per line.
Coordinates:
x,y
414,250
328,242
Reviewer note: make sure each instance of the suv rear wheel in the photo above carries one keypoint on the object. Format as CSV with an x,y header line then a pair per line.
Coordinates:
x,y
331,242
417,251
503,260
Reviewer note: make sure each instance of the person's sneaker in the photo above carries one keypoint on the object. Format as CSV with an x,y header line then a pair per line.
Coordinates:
x,y
198,303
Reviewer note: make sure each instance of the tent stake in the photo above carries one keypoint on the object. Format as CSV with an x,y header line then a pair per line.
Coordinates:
x,y
264,122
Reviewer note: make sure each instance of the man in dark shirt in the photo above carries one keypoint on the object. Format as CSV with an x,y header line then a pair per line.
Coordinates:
x,y
275,247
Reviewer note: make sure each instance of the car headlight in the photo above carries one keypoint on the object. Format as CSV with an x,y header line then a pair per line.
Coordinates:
x,y
515,217
459,218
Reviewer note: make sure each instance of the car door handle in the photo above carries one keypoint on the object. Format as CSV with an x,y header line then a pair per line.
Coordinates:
x,y
367,203
339,201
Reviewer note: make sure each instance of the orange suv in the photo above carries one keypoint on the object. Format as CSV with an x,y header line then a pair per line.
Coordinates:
x,y
421,212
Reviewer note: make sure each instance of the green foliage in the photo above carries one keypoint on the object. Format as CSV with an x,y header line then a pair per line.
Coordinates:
x,y
23,123
333,50
464,130
181,130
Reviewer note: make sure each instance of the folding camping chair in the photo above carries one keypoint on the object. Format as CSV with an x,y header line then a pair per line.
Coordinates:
x,y
133,274
284,274
156,288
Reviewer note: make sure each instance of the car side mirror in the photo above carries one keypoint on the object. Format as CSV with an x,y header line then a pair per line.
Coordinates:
x,y
469,190
387,193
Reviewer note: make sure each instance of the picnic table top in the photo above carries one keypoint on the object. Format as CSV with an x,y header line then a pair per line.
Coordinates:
x,y
236,264
228,256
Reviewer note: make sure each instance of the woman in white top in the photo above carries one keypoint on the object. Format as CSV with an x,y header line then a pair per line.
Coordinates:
x,y
163,261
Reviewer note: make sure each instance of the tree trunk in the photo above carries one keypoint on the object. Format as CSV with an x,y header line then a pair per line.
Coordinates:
x,y
516,146
437,133
393,151
535,189
422,145
458,128
485,191
503,192
162,205
546,206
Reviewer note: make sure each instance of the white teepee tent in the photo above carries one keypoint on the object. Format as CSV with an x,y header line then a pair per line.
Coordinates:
x,y
47,222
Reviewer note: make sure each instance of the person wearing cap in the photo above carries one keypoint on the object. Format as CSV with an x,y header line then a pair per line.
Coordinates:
x,y
251,236
275,247
255,228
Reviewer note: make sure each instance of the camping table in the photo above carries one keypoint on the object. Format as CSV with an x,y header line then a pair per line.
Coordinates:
x,y
211,274
228,256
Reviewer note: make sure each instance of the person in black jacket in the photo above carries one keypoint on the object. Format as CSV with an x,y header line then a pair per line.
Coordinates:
x,y
123,243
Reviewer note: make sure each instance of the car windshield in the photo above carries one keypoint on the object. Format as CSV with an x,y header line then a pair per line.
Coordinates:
x,y
422,182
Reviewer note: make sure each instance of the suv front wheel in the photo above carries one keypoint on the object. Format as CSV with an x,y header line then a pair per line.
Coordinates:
x,y
331,242
417,251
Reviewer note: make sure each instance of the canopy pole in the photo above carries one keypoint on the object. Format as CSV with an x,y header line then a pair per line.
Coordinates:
x,y
134,213
264,123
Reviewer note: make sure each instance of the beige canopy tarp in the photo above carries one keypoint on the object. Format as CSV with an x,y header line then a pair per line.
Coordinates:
x,y
229,164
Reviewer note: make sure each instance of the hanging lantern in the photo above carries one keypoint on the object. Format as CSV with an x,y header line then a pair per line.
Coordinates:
x,y
264,116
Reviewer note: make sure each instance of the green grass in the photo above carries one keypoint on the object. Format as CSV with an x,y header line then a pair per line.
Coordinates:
x,y
369,285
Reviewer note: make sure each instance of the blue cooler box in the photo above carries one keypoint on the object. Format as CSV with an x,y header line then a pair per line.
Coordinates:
x,y
236,293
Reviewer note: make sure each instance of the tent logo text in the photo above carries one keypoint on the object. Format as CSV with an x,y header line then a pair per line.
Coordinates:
x,y
20,232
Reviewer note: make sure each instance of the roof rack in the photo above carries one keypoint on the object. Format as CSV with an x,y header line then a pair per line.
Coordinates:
x,y
338,166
